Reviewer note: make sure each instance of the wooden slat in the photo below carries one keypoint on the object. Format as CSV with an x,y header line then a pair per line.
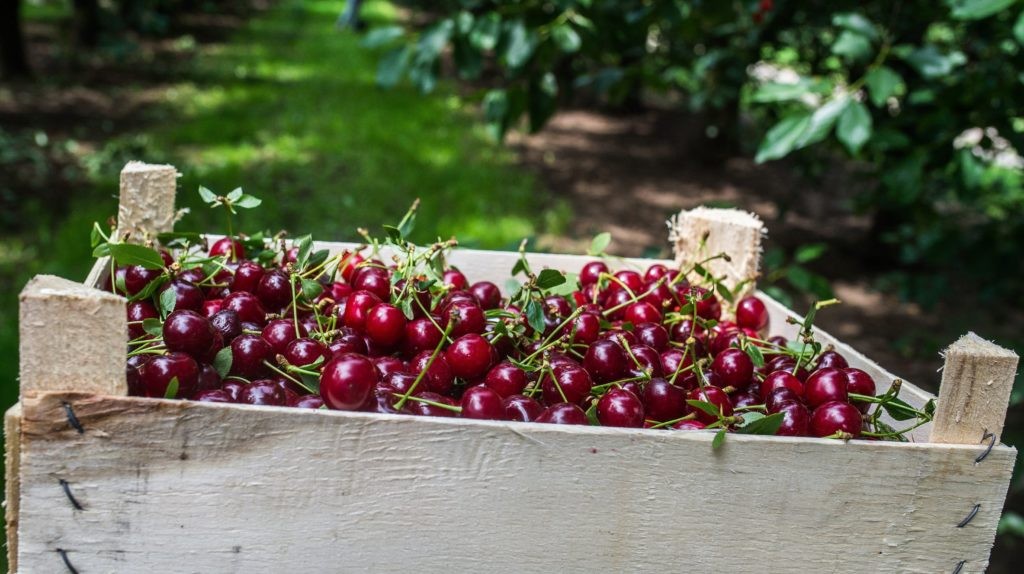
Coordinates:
x,y
703,232
190,487
12,481
146,202
71,337
976,383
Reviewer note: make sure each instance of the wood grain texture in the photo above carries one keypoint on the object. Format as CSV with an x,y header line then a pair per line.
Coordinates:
x,y
704,232
190,487
146,204
71,337
12,481
976,382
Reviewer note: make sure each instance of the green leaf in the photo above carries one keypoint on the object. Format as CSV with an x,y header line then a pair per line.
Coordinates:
x,y
235,195
763,425
95,236
978,9
808,253
379,37
392,66
599,243
519,45
464,22
305,246
782,138
535,315
101,250
1018,29
566,38
172,389
549,278
486,32
931,63
591,413
709,408
207,196
180,237
883,83
852,46
248,201
719,439
822,121
521,266
1011,523
311,289
756,357
153,326
567,287
775,92
856,23
222,361
496,109
168,300
854,127
899,410
130,254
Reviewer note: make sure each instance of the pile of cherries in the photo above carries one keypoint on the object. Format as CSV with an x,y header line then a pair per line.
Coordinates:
x,y
627,349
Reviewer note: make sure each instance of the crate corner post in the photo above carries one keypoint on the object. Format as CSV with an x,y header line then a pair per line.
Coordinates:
x,y
704,232
146,200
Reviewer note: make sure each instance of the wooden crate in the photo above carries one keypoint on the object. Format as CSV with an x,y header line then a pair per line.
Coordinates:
x,y
101,482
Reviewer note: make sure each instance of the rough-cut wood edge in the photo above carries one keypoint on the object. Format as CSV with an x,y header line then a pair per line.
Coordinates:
x,y
12,481
704,232
71,337
146,203
372,486
977,379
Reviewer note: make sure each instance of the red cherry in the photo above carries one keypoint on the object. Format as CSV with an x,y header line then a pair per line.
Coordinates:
x,y
824,386
620,408
465,317
689,425
487,295
247,355
422,334
861,383
778,397
715,396
136,278
247,306
653,335
375,280
348,265
280,332
428,410
642,312
263,392
157,373
346,382
571,384
469,356
521,408
795,419
189,332
455,279
275,290
605,361
303,352
506,379
586,328
591,272
663,401
751,313
733,368
348,343
212,396
247,276
226,246
627,280
139,311
307,402
835,416
357,309
481,402
655,272
439,378
781,379
385,325
562,414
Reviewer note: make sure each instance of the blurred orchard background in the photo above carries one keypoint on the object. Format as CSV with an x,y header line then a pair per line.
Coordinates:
x,y
881,142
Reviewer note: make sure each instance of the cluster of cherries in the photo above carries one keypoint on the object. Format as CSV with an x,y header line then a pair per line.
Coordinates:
x,y
625,349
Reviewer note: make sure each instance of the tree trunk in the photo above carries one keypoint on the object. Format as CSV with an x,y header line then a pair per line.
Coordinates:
x,y
87,23
13,61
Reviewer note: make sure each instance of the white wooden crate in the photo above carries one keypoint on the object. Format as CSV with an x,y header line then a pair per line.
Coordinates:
x,y
154,486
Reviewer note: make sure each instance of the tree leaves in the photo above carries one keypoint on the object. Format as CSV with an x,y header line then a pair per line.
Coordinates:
x,y
566,38
882,83
783,137
130,254
519,44
977,9
931,63
854,128
486,32
383,36
855,22
599,243
392,66
852,46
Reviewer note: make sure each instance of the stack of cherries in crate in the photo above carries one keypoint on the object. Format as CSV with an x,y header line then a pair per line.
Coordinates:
x,y
392,328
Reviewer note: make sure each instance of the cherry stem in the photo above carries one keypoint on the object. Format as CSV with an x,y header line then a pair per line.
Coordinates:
x,y
423,373
548,342
444,406
688,417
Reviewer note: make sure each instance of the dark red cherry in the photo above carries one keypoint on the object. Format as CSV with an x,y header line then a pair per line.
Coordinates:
x,y
562,414
715,396
422,334
247,355
248,307
139,311
226,246
836,416
860,383
506,379
188,332
708,306
307,402
747,398
132,367
831,360
465,318
194,275
116,283
136,278
386,365
521,408
428,410
439,377
263,392
674,360
212,306
663,401
653,335
616,303
655,272
487,294
751,313
233,389
689,425
385,325
212,396
644,362
346,382
781,379
795,419
586,328
482,402
375,280
306,351
208,378
401,383
733,368
348,265
777,397
186,295
605,361
157,373
627,280
247,277
348,343
280,332
591,272
227,324
642,312
455,279
825,385
620,408
571,384
357,309
469,356
275,290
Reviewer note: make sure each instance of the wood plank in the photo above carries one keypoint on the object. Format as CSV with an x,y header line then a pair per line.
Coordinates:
x,y
976,383
146,202
192,487
71,337
703,232
12,481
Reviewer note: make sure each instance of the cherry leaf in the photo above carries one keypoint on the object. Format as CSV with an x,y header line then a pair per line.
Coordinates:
x,y
172,389
222,361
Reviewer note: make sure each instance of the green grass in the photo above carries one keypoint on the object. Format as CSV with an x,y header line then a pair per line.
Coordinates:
x,y
289,110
